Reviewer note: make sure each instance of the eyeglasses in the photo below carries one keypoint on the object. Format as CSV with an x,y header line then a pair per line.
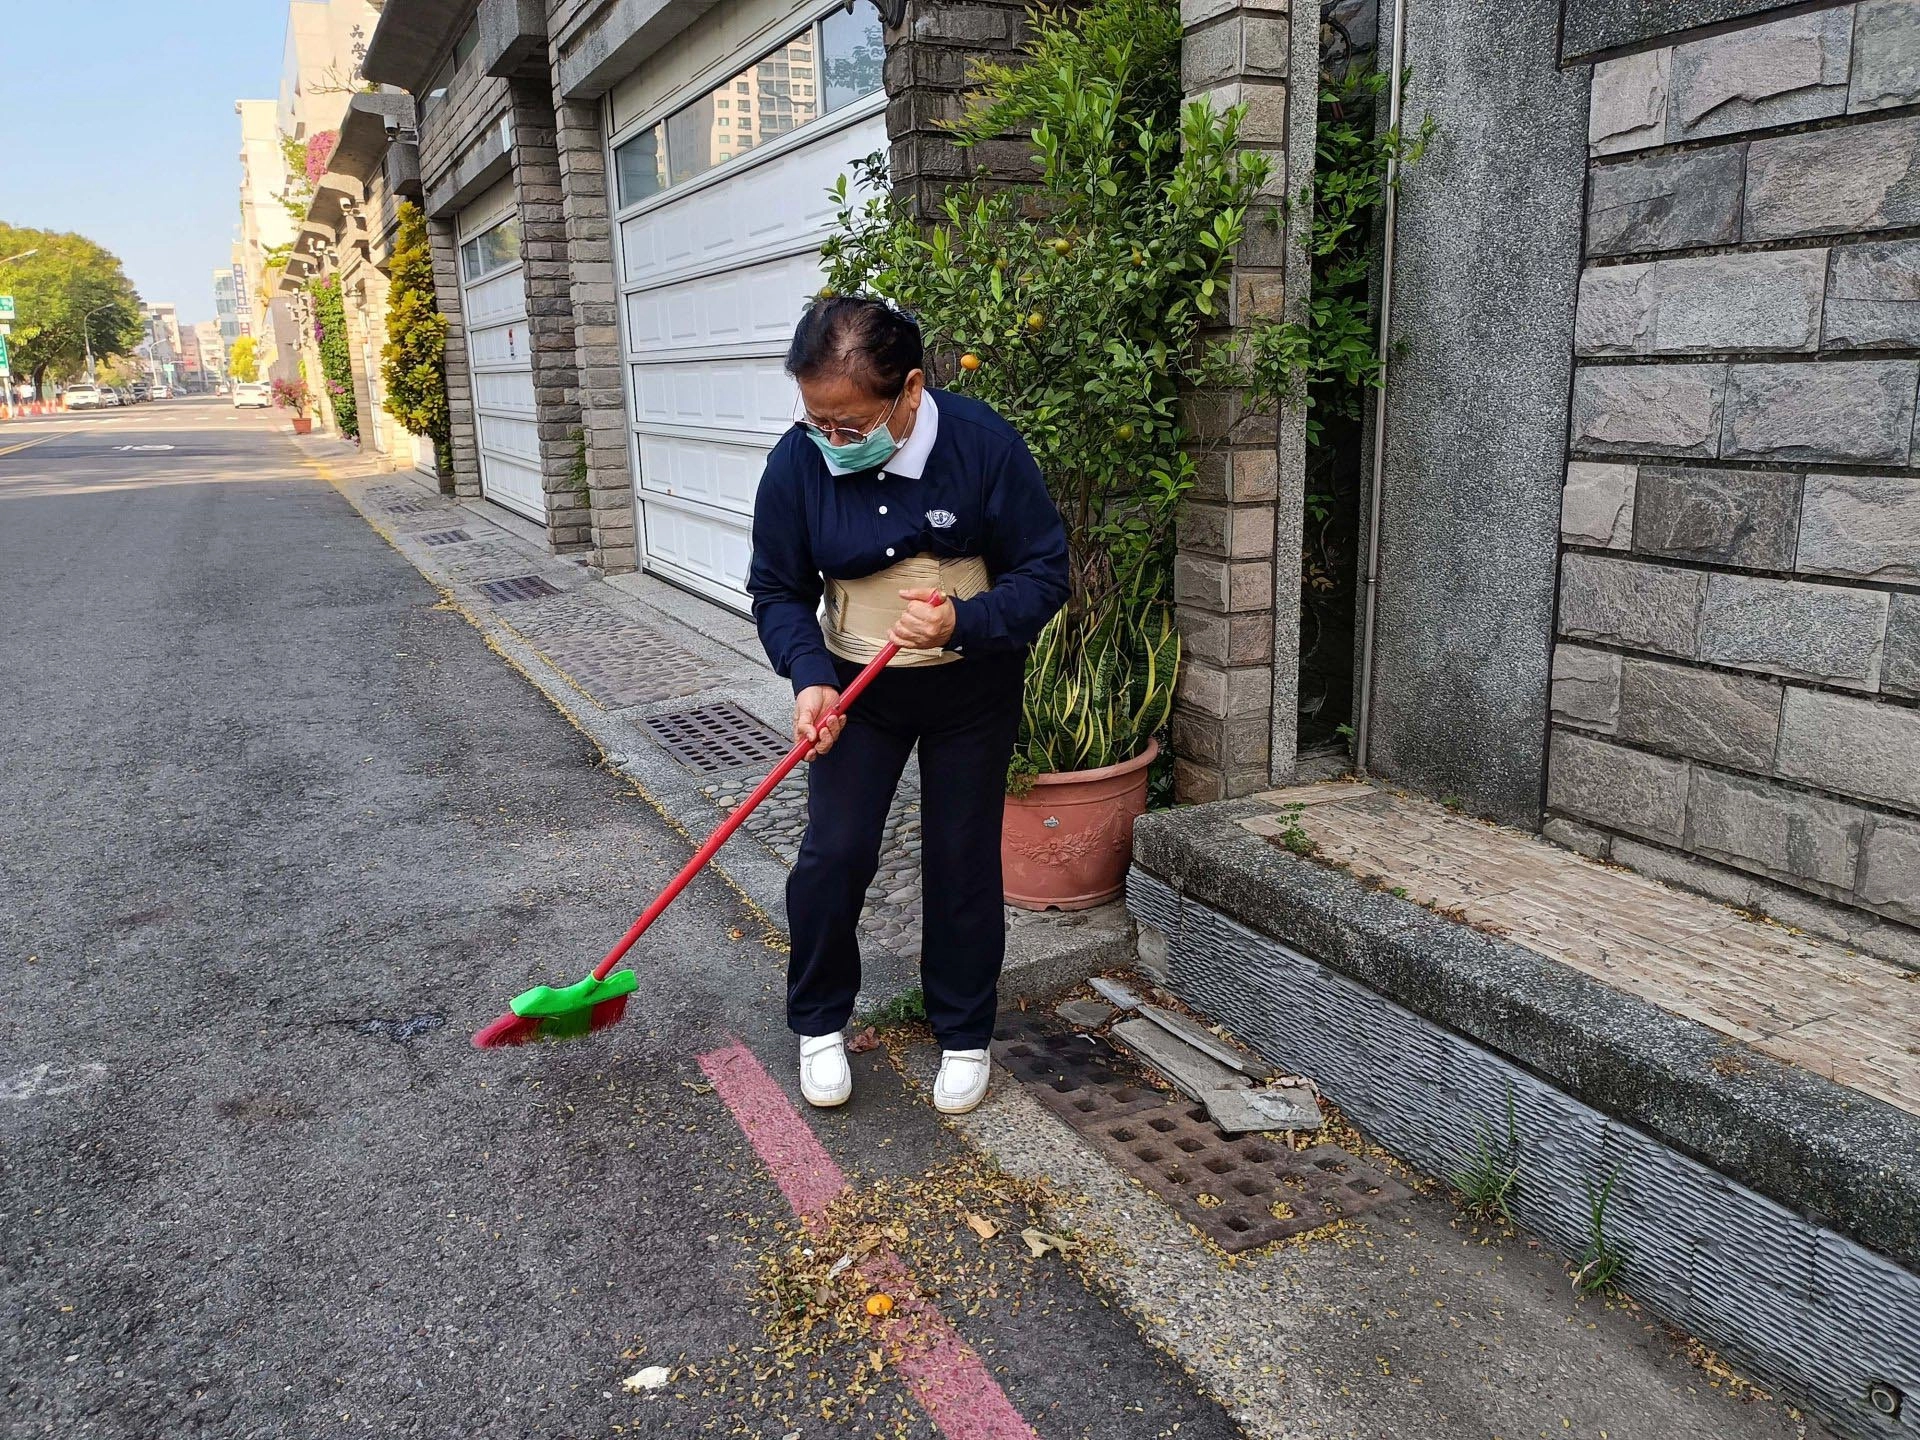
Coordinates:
x,y
846,434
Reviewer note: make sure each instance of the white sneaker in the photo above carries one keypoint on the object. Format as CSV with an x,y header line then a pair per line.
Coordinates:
x,y
962,1084
825,1080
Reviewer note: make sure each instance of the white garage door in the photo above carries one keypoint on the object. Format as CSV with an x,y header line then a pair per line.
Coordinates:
x,y
724,205
493,298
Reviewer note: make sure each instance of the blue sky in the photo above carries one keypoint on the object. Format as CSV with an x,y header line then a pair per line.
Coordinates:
x,y
116,120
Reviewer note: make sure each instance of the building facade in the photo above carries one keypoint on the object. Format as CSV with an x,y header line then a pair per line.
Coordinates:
x,y
1628,551
348,237
326,41
229,306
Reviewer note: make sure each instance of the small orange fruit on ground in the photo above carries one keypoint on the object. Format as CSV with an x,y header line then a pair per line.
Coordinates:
x,y
879,1303
969,361
1062,245
1036,321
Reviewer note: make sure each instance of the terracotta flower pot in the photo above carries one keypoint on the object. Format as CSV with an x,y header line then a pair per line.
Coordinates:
x,y
302,425
1065,844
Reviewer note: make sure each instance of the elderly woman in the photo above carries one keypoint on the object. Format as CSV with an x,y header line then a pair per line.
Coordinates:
x,y
921,518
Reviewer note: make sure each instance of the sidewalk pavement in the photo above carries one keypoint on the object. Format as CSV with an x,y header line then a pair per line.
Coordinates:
x,y
644,668
1415,1320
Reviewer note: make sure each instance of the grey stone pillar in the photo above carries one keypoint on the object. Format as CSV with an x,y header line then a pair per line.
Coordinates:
x,y
550,329
1236,575
461,468
603,420
928,59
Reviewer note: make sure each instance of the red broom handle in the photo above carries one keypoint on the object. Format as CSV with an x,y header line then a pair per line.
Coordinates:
x,y
800,751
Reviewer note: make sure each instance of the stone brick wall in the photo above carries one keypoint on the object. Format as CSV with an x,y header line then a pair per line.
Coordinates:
x,y
1236,590
1736,688
599,395
929,60
463,470
474,101
550,323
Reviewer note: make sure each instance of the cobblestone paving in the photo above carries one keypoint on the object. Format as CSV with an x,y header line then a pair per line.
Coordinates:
x,y
890,921
616,660
482,560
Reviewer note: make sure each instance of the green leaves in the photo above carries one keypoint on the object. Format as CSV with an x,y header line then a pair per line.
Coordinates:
x,y
414,362
336,369
1122,252
69,292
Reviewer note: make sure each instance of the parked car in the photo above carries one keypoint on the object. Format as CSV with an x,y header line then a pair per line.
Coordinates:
x,y
82,397
139,390
163,392
110,397
252,394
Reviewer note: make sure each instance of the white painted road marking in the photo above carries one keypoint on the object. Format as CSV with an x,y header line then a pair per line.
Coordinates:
x,y
43,1081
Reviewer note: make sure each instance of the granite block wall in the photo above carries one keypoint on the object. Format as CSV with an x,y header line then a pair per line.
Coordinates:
x,y
1736,680
1236,574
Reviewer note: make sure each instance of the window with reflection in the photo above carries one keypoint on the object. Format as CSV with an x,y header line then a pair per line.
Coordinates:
x,y
826,67
491,250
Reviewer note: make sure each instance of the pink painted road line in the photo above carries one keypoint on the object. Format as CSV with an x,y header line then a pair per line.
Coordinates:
x,y
944,1373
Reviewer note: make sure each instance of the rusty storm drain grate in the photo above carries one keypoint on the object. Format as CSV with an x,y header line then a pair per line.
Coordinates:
x,y
1239,1191
711,738
516,589
446,537
404,507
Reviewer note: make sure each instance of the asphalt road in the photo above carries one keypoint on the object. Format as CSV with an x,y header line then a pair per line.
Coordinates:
x,y
280,833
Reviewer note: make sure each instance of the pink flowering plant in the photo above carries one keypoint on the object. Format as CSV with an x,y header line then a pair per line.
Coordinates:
x,y
292,395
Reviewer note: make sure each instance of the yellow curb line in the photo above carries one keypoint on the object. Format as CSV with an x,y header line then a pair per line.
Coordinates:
x,y
80,429
772,936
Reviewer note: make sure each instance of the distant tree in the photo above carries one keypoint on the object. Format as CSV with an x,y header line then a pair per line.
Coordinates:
x,y
414,362
68,293
242,364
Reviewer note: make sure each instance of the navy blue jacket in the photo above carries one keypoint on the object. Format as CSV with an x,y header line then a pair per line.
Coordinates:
x,y
980,494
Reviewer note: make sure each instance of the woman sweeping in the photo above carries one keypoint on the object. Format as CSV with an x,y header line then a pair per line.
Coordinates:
x,y
921,518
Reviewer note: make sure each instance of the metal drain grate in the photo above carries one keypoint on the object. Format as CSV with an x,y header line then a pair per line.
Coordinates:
x,y
519,587
1239,1192
446,537
716,737
405,507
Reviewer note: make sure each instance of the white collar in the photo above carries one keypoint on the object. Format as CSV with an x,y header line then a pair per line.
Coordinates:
x,y
910,460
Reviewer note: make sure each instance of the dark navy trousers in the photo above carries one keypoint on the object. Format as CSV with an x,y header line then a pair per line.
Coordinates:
x,y
965,717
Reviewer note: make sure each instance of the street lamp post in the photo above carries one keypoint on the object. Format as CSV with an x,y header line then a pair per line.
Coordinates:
x,y
86,333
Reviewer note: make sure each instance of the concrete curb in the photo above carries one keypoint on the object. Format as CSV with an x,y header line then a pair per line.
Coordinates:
x,y
1850,1162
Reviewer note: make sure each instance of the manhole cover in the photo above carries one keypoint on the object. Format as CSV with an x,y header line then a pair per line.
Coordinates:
x,y
519,587
446,537
1239,1192
717,737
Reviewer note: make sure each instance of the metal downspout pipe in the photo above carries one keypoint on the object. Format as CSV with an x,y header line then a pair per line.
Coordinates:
x,y
1363,726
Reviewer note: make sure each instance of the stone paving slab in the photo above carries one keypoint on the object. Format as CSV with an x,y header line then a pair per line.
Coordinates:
x,y
1849,1017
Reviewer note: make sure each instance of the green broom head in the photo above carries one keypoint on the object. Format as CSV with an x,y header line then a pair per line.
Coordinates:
x,y
547,1013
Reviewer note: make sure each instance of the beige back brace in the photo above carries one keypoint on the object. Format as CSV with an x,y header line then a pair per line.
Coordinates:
x,y
860,612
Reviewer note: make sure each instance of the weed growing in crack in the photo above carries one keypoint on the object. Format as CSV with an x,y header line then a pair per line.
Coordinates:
x,y
1292,835
1492,1174
1600,1260
907,1008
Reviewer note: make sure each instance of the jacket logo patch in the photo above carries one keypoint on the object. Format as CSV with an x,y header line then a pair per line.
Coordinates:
x,y
941,519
